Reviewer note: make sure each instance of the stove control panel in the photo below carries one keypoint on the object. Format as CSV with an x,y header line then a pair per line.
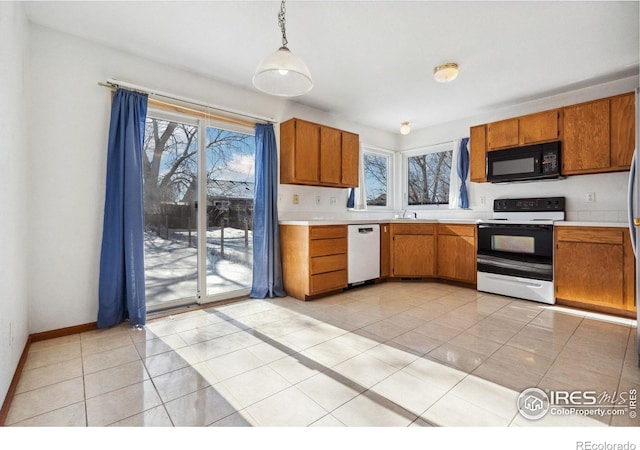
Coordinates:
x,y
529,204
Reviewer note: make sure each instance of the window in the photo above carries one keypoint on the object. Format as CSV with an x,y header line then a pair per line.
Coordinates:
x,y
427,175
377,177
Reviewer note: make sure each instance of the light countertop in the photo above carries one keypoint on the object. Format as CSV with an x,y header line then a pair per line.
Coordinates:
x,y
571,223
564,223
362,222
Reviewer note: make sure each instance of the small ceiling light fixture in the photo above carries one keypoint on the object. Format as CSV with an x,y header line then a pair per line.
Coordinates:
x,y
446,72
282,73
405,128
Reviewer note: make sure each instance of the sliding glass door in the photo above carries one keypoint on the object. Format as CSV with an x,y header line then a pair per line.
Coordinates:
x,y
230,162
196,254
170,216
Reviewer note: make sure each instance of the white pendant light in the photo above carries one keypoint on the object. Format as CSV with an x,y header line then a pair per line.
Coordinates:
x,y
405,128
446,72
282,73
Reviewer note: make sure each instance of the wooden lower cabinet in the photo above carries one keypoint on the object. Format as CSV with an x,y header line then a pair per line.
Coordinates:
x,y
413,250
314,259
445,251
595,269
457,252
594,266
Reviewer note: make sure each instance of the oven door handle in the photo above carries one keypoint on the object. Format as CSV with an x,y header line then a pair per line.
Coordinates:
x,y
513,226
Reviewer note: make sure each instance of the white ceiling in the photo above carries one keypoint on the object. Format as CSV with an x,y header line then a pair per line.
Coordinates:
x,y
372,61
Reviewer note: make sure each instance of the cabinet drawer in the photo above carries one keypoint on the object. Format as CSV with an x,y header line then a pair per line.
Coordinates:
x,y
328,232
457,230
412,228
323,264
323,247
590,235
328,281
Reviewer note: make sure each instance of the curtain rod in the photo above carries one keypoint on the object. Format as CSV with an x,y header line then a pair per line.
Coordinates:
x,y
114,84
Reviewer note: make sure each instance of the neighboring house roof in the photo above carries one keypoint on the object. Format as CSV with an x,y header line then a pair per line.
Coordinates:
x,y
234,189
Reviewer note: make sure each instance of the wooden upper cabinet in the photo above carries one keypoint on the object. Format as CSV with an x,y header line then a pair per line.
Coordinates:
x,y
502,134
299,152
525,130
350,159
623,130
330,151
539,127
586,146
478,153
317,155
596,136
307,151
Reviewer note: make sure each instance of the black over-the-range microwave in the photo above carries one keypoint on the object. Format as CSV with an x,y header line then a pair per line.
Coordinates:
x,y
532,162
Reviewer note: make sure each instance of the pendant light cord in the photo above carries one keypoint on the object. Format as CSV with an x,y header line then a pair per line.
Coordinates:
x,y
282,22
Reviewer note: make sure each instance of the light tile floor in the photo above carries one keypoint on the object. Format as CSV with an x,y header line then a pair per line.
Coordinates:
x,y
393,354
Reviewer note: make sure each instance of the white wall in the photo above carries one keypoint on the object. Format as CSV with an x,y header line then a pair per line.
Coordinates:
x,y
14,323
69,120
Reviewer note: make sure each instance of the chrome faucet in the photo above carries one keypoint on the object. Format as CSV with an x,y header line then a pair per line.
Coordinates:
x,y
413,213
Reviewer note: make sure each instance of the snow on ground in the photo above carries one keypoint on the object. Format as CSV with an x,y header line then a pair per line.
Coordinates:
x,y
171,264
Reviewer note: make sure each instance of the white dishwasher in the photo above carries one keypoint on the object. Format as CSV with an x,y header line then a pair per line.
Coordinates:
x,y
363,253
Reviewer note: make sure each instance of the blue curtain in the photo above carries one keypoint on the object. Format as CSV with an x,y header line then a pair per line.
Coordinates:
x,y
463,172
267,265
121,286
351,200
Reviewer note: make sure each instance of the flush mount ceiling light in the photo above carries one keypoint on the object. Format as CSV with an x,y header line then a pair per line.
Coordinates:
x,y
405,128
282,73
446,72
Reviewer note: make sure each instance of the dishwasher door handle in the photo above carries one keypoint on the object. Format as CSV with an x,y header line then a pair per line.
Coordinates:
x,y
365,230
